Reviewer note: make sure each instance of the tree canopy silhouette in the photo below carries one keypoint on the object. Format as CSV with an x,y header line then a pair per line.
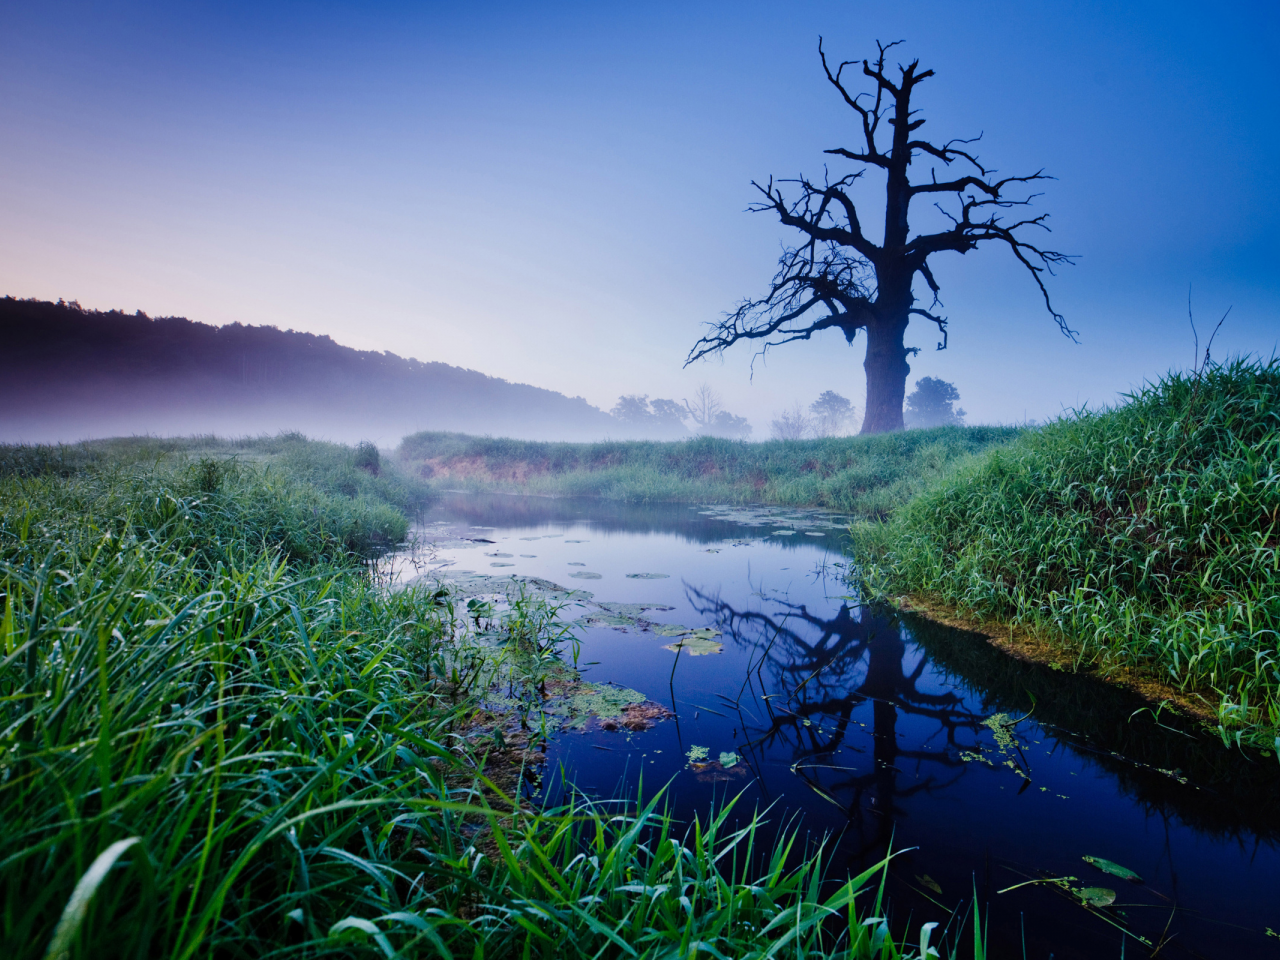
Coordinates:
x,y
931,404
838,278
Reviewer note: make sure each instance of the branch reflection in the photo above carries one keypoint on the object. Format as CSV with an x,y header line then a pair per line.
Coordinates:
x,y
808,676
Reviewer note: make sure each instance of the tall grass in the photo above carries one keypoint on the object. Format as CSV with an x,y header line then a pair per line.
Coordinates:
x,y
220,737
866,476
1145,535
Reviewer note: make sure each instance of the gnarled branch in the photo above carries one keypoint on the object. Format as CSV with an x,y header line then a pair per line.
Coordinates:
x,y
818,287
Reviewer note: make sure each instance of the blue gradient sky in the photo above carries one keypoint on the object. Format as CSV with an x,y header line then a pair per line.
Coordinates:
x,y
554,193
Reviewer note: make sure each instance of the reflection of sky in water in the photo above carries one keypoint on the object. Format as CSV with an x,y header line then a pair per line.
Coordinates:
x,y
878,734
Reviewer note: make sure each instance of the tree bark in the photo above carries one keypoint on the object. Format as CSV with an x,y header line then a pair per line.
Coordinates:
x,y
887,368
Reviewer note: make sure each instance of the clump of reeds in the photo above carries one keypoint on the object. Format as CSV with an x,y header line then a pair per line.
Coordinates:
x,y
1146,535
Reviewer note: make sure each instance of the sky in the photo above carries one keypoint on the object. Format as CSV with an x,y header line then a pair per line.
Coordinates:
x,y
555,193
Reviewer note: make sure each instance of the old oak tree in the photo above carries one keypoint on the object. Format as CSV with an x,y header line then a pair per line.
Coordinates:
x,y
838,278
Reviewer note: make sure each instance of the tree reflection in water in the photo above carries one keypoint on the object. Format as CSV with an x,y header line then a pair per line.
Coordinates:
x,y
808,674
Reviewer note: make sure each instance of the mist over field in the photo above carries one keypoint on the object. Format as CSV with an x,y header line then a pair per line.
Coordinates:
x,y
77,374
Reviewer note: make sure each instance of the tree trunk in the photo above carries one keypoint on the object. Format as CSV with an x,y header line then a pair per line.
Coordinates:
x,y
887,368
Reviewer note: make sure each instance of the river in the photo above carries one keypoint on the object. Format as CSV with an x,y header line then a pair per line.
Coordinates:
x,y
877,730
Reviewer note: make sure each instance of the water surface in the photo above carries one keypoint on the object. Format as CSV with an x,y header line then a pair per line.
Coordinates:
x,y
879,730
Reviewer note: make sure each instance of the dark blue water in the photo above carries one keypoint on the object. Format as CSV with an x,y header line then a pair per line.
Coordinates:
x,y
882,731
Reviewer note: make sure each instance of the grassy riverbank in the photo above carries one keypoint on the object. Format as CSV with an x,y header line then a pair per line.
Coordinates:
x,y
219,736
864,476
1143,537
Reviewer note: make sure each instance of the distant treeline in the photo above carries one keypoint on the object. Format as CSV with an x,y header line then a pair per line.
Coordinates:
x,y
72,373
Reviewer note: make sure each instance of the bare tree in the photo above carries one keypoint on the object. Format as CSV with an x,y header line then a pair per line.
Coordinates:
x,y
709,416
706,404
793,424
837,278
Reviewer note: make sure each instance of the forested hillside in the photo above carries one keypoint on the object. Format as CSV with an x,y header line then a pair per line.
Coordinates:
x,y
72,373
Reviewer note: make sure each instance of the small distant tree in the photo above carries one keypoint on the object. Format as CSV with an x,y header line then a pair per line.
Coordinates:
x,y
726,424
632,408
832,414
930,404
668,415
709,416
793,424
705,407
656,417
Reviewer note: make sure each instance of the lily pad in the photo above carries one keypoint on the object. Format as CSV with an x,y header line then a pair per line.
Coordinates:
x,y
502,564
670,630
529,556
695,646
574,564
630,609
502,555
605,620
1106,866
577,541
727,760
1098,896
586,575
782,533
814,533
530,538
648,576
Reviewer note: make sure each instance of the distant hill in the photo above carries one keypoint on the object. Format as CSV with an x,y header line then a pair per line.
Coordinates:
x,y
71,373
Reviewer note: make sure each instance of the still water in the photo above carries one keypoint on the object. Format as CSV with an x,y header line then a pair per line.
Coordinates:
x,y
882,731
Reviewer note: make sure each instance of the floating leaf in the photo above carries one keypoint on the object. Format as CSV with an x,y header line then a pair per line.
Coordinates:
x,y
503,555
575,564
704,633
695,646
670,630
1106,866
502,564
648,576
816,533
606,620
586,575
697,753
727,760
932,884
1098,896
